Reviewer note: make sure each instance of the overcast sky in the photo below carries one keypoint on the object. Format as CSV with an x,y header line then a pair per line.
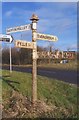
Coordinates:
x,y
55,18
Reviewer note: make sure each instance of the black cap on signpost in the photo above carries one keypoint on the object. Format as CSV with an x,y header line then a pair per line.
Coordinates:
x,y
34,18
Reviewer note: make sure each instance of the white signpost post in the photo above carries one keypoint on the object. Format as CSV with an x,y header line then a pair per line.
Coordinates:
x,y
32,45
34,20
9,39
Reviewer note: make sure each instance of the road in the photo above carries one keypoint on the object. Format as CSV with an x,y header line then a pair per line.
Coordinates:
x,y
69,76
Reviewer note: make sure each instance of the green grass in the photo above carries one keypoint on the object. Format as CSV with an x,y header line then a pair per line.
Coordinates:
x,y
53,92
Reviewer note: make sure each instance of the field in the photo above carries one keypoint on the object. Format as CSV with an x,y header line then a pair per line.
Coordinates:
x,y
56,99
72,65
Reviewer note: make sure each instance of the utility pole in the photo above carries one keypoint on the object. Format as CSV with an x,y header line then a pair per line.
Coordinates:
x,y
34,20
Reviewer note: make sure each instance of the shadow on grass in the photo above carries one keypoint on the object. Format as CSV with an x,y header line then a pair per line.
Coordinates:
x,y
9,82
6,76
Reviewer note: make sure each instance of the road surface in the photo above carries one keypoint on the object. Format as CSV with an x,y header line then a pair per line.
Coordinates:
x,y
69,76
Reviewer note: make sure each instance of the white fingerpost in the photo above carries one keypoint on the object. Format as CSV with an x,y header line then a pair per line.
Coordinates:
x,y
34,20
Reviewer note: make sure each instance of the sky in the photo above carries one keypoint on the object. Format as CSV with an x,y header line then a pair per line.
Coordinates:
x,y
39,0
0,27
55,18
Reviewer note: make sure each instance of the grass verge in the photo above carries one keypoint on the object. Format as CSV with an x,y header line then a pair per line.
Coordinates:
x,y
61,96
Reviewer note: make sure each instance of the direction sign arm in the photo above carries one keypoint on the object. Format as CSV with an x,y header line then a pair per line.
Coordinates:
x,y
18,29
46,37
6,38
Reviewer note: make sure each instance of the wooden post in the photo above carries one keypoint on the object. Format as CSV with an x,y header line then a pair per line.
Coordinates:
x,y
34,20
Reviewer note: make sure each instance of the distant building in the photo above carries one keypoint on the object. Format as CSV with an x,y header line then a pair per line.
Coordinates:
x,y
57,54
69,54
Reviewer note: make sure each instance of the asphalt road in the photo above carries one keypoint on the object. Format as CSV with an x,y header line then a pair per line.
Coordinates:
x,y
69,76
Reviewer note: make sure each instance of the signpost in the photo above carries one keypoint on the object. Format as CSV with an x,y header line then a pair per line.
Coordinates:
x,y
32,45
18,28
34,20
46,37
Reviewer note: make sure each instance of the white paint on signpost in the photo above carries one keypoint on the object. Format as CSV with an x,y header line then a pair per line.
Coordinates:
x,y
18,28
24,44
34,35
35,55
46,37
34,26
